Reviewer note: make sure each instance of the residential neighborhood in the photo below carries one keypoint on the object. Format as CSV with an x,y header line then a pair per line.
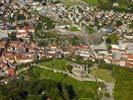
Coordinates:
x,y
60,41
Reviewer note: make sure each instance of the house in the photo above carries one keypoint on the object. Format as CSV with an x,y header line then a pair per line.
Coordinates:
x,y
108,58
16,47
23,33
23,59
8,56
1,25
68,50
122,63
129,47
99,50
18,58
83,51
53,51
128,37
21,47
3,44
21,52
117,55
129,64
130,57
22,3
3,35
100,47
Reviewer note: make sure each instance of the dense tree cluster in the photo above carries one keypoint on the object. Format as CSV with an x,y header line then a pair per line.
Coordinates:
x,y
44,23
36,90
112,39
42,37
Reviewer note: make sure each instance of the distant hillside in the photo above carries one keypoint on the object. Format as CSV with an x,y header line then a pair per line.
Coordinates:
x,y
123,5
94,2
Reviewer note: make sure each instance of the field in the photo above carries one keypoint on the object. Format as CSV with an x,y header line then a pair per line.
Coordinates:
x,y
122,3
59,64
102,74
73,28
71,2
91,2
84,90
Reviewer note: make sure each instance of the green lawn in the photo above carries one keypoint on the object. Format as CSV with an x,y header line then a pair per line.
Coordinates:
x,y
70,3
91,2
73,28
59,64
90,30
102,74
75,2
85,90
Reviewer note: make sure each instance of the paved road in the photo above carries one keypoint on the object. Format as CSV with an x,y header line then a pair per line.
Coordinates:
x,y
109,88
21,70
7,31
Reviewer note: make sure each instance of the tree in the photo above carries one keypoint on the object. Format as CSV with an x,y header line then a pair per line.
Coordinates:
x,y
43,43
109,47
44,23
12,36
75,40
38,0
131,25
90,29
108,41
112,39
69,68
32,89
70,91
21,17
119,23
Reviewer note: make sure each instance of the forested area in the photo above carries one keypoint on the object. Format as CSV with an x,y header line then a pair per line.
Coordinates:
x,y
36,90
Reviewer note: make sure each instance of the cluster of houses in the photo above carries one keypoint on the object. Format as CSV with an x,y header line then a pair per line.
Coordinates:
x,y
18,51
12,15
22,50
120,54
109,21
105,21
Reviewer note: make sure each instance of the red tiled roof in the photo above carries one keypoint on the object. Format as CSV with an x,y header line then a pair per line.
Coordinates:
x,y
82,47
115,49
10,72
130,56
